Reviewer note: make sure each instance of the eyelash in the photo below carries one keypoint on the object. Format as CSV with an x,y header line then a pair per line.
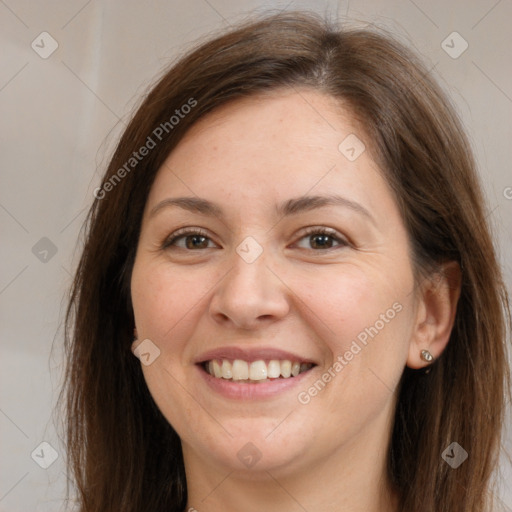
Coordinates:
x,y
184,232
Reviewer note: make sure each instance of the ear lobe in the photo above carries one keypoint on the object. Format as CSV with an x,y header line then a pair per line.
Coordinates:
x,y
135,341
435,316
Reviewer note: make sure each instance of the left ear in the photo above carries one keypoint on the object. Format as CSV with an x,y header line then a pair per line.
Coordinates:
x,y
437,306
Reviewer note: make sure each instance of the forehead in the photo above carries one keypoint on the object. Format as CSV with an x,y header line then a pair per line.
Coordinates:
x,y
271,146
278,118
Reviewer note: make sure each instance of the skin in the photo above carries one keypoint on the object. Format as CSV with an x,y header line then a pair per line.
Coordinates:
x,y
248,156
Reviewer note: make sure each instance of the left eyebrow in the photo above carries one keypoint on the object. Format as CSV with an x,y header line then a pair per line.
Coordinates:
x,y
307,203
290,207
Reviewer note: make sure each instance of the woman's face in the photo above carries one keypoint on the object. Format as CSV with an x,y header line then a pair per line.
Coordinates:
x,y
261,290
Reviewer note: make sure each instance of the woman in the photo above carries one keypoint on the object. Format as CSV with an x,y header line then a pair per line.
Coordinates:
x,y
288,297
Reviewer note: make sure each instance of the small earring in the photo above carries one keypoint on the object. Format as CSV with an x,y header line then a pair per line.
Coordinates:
x,y
427,356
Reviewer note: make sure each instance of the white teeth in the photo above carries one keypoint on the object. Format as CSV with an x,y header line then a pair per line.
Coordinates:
x,y
239,370
286,369
226,369
217,370
258,370
273,369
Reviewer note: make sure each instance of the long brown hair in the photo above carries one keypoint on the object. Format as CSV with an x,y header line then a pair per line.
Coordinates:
x,y
122,452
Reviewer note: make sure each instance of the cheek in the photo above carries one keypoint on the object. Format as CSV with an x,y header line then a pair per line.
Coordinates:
x,y
369,319
355,304
364,317
162,299
165,302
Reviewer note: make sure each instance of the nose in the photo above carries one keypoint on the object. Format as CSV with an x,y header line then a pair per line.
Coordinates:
x,y
250,295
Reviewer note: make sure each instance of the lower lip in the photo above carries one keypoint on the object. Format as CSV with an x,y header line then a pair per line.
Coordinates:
x,y
250,391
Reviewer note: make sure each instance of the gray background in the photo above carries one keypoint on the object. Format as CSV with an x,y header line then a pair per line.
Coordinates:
x,y
60,119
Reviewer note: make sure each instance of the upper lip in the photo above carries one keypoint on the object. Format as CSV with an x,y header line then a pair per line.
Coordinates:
x,y
251,354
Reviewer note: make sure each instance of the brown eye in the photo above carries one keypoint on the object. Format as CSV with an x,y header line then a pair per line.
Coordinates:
x,y
323,238
192,240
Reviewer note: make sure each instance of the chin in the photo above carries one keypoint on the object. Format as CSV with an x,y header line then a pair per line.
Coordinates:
x,y
255,447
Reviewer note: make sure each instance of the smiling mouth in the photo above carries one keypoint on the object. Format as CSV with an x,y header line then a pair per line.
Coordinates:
x,y
241,371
